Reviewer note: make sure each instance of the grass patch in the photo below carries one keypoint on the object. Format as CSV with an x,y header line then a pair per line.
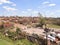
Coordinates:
x,y
18,42
53,26
24,42
6,41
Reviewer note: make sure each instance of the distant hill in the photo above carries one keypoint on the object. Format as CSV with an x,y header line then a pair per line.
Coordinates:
x,y
29,20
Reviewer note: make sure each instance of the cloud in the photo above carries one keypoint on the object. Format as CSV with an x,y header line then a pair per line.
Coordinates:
x,y
29,9
51,13
46,2
5,1
24,11
9,8
29,12
52,4
57,10
13,4
34,12
8,2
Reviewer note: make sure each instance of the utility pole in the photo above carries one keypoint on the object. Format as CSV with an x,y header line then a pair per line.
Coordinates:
x,y
46,30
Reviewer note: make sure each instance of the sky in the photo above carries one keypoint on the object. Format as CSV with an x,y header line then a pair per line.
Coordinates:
x,y
48,8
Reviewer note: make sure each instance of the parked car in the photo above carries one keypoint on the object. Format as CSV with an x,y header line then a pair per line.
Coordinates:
x,y
50,37
58,35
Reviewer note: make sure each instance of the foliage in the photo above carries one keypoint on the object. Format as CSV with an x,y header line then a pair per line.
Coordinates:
x,y
23,42
18,30
7,41
42,20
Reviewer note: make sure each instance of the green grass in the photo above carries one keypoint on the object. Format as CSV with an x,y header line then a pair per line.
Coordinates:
x,y
53,26
19,42
6,41
24,42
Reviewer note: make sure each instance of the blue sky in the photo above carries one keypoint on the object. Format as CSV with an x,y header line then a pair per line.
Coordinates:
x,y
48,8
